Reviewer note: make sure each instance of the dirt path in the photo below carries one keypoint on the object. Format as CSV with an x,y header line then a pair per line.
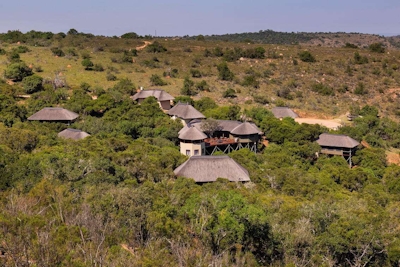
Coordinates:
x,y
331,124
146,43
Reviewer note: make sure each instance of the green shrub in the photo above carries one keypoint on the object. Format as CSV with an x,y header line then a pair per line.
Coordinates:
x,y
322,89
111,77
360,89
57,51
306,56
32,84
156,47
156,80
224,73
358,59
195,73
376,47
87,63
229,93
98,67
203,86
17,71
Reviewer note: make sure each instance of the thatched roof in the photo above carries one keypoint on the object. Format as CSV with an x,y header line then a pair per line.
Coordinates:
x,y
234,127
282,112
191,134
161,95
337,140
246,128
208,168
73,134
185,111
53,114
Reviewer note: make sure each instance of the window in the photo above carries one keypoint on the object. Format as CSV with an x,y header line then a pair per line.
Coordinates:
x,y
187,152
196,152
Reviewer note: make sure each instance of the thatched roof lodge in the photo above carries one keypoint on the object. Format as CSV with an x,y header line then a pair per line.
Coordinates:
x,y
185,112
163,98
283,112
204,169
191,134
336,141
338,144
74,134
54,115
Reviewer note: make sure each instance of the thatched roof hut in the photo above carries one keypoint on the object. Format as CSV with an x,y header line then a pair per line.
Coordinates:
x,y
246,128
336,140
283,112
185,111
74,134
159,94
54,114
205,169
191,134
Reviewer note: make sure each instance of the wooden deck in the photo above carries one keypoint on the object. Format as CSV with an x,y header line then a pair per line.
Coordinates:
x,y
219,141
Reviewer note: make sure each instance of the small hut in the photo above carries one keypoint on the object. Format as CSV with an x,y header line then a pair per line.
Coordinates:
x,y
163,98
204,169
185,112
283,112
338,144
192,141
54,115
74,134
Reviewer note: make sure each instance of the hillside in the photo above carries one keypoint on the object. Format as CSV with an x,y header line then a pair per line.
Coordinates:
x,y
113,198
335,39
340,77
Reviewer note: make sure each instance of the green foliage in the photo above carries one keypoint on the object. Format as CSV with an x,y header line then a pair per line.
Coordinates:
x,y
358,59
156,47
21,49
224,73
350,45
376,47
57,52
130,35
17,71
360,89
205,103
184,99
229,93
87,63
306,56
188,87
202,86
32,84
156,80
322,89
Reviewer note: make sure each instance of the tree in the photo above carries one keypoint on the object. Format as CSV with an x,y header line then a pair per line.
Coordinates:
x,y
57,52
306,56
17,71
130,35
224,73
229,93
376,47
32,84
156,47
156,80
209,126
87,63
72,32
188,87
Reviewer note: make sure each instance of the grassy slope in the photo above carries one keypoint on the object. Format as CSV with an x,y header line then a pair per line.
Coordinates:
x,y
329,70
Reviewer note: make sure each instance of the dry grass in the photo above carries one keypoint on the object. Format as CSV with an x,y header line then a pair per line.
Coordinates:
x,y
379,76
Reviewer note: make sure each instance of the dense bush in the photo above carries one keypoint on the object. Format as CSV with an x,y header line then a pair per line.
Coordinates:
x,y
306,56
32,84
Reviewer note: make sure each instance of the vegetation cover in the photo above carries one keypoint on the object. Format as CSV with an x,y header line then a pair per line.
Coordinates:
x,y
112,199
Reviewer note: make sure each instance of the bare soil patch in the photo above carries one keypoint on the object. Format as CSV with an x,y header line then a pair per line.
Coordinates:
x,y
331,124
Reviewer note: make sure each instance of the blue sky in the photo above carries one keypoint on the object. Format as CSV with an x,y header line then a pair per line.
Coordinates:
x,y
181,17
